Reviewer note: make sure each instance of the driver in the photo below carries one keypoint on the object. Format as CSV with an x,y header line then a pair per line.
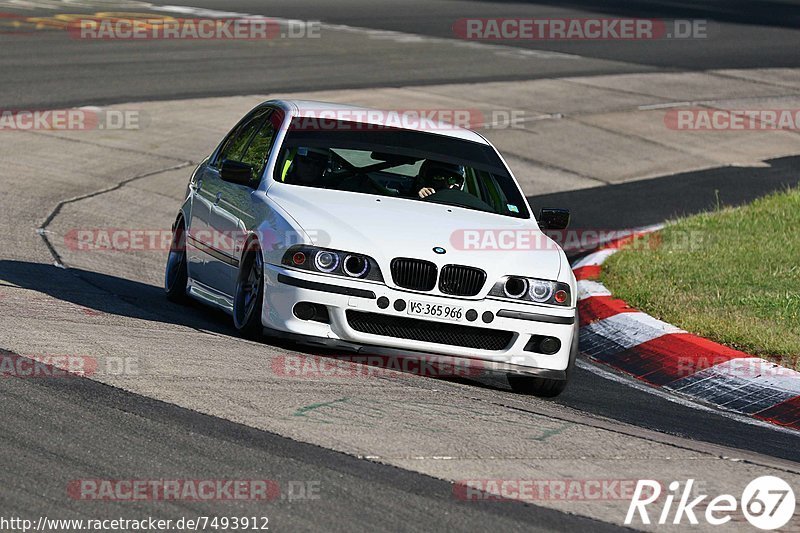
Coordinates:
x,y
305,167
434,176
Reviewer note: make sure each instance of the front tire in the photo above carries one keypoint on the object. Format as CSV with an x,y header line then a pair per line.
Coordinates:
x,y
249,296
176,277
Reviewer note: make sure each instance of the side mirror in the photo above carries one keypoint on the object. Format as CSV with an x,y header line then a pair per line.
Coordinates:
x,y
236,172
554,218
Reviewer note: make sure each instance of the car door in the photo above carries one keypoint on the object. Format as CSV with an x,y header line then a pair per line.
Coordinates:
x,y
214,255
236,212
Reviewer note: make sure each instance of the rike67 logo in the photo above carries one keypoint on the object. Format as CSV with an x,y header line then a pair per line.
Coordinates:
x,y
768,503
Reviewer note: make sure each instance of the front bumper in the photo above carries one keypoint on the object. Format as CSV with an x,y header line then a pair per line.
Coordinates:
x,y
286,287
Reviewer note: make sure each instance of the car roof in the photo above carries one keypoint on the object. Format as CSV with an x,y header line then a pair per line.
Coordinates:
x,y
404,118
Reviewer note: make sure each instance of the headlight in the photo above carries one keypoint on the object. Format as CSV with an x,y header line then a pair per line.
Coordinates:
x,y
355,266
515,287
335,262
541,290
534,290
326,261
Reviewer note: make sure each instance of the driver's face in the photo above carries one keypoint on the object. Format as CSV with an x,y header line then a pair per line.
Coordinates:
x,y
440,181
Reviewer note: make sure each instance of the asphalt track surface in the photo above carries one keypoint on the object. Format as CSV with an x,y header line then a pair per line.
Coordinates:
x,y
46,68
54,428
129,436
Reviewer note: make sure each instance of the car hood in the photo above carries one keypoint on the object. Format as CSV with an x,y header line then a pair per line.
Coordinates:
x,y
385,227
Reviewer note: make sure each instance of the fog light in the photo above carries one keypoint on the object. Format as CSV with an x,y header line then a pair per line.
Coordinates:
x,y
543,345
549,345
304,311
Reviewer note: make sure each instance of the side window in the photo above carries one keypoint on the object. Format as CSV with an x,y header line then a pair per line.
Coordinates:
x,y
257,153
236,145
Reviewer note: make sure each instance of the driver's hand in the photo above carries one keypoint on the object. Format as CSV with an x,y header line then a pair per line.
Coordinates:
x,y
426,191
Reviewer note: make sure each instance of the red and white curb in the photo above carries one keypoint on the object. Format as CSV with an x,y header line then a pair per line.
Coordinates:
x,y
664,356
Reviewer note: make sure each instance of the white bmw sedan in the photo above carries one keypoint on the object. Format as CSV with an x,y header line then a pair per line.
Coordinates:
x,y
329,225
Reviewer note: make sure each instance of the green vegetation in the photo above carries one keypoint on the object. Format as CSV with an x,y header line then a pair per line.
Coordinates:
x,y
732,276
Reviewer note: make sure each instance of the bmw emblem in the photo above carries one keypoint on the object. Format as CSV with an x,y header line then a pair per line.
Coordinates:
x,y
439,250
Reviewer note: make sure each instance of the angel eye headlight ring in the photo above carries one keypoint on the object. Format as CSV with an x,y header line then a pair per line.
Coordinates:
x,y
540,290
326,261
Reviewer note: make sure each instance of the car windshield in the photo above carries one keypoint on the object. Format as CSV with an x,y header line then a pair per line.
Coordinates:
x,y
426,167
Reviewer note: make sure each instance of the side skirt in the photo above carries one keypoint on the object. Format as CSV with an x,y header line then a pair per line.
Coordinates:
x,y
209,296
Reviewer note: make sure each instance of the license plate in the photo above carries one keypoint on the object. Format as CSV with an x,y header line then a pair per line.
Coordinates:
x,y
446,312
